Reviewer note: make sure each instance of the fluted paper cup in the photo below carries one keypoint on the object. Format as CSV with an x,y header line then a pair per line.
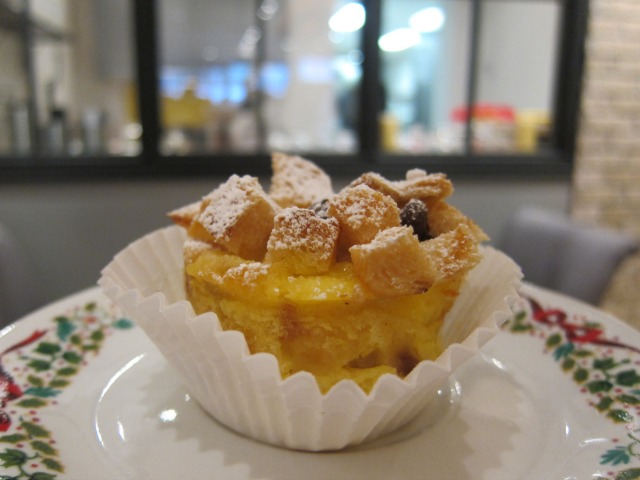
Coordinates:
x,y
246,391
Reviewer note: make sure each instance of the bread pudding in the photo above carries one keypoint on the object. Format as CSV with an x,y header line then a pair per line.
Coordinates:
x,y
345,285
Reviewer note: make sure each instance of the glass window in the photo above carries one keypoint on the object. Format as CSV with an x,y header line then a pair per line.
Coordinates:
x,y
425,75
424,48
249,76
14,114
68,88
518,52
175,84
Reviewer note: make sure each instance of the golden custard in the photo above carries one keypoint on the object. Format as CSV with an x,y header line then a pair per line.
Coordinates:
x,y
346,285
325,324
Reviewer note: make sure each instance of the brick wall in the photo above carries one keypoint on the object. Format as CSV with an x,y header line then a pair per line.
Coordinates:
x,y
606,183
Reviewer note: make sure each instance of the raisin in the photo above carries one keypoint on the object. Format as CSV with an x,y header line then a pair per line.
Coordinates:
x,y
405,362
320,208
414,214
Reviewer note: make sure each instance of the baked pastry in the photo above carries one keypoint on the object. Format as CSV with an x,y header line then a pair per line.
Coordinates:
x,y
345,285
345,291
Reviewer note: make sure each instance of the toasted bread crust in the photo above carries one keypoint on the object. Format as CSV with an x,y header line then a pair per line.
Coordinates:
x,y
297,182
362,212
418,185
444,218
303,227
379,266
238,215
184,216
302,242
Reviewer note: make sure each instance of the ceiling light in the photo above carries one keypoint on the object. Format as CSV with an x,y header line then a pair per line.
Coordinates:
x,y
348,18
267,10
248,42
427,20
399,39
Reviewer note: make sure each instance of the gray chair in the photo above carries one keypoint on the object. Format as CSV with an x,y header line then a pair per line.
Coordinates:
x,y
19,290
563,255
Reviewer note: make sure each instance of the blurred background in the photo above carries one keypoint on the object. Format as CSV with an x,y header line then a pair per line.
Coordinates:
x,y
113,112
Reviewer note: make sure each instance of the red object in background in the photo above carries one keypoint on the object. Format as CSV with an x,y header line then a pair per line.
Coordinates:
x,y
484,112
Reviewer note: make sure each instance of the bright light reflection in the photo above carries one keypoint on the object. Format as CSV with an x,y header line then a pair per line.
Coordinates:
x,y
168,415
267,9
347,70
248,42
456,388
349,18
7,329
109,384
591,441
427,20
399,39
498,364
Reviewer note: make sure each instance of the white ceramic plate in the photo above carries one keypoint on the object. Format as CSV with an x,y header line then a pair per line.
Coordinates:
x,y
556,395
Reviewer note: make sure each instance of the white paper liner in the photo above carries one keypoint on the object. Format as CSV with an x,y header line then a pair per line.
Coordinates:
x,y
247,393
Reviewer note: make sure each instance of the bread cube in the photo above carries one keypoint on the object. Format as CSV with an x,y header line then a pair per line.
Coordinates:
x,y
394,263
297,182
237,216
378,183
453,252
184,216
302,242
422,186
444,218
362,212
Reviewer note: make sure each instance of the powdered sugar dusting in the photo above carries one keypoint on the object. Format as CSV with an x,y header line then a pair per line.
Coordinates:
x,y
453,251
361,206
301,229
228,203
415,173
298,182
385,238
193,248
281,230
378,183
417,185
248,273
196,245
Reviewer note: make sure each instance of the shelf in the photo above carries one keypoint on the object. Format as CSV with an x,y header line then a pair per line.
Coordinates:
x,y
14,19
10,18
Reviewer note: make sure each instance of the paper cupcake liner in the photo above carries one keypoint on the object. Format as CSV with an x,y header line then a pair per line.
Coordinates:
x,y
246,392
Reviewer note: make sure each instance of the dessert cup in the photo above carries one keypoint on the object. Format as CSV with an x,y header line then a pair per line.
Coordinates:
x,y
246,391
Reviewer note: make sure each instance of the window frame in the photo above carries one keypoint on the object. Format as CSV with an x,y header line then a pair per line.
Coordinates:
x,y
556,163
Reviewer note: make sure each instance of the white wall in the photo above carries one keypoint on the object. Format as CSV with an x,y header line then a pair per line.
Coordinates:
x,y
69,231
518,48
